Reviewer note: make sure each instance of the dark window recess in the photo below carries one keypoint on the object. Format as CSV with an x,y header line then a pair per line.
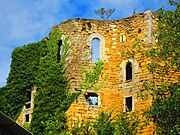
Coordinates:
x,y
95,49
89,25
129,71
83,29
92,98
27,117
29,95
128,104
59,50
28,105
122,38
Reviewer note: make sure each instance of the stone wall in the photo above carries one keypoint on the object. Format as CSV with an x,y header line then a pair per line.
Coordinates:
x,y
25,116
116,38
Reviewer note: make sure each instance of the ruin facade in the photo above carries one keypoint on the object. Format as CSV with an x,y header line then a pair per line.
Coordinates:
x,y
125,73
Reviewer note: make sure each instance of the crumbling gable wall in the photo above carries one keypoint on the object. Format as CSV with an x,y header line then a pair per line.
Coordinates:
x,y
116,38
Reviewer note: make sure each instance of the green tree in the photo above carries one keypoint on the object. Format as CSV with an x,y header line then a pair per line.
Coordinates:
x,y
52,95
108,124
104,124
164,86
24,65
37,66
104,14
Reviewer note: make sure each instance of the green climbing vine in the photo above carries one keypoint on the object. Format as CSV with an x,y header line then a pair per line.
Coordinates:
x,y
52,96
90,78
108,124
24,65
36,65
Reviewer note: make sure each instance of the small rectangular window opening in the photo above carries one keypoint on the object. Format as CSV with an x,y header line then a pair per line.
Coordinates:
x,y
128,104
27,118
92,98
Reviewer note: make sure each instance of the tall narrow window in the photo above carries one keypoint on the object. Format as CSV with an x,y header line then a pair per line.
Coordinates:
x,y
128,71
122,38
28,104
128,104
29,95
27,118
95,49
59,50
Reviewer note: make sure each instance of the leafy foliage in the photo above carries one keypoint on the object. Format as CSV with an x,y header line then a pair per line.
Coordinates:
x,y
107,124
164,86
36,65
52,96
104,124
24,65
128,124
91,77
165,111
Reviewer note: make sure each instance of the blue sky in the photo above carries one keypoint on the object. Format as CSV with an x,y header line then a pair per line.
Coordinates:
x,y
27,21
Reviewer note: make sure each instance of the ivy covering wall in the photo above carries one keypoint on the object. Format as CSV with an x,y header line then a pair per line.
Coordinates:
x,y
37,65
24,66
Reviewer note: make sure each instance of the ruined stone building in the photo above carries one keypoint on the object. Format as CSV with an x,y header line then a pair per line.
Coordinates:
x,y
125,73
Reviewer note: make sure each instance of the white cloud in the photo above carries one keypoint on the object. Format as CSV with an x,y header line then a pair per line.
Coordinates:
x,y
34,20
26,26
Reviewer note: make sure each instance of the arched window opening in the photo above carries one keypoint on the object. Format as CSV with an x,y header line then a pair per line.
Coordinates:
x,y
92,98
129,71
59,50
95,49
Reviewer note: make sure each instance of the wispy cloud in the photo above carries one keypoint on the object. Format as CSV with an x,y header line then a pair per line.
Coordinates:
x,y
26,26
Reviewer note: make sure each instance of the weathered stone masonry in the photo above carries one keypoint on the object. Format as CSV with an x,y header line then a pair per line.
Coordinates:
x,y
119,92
116,37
